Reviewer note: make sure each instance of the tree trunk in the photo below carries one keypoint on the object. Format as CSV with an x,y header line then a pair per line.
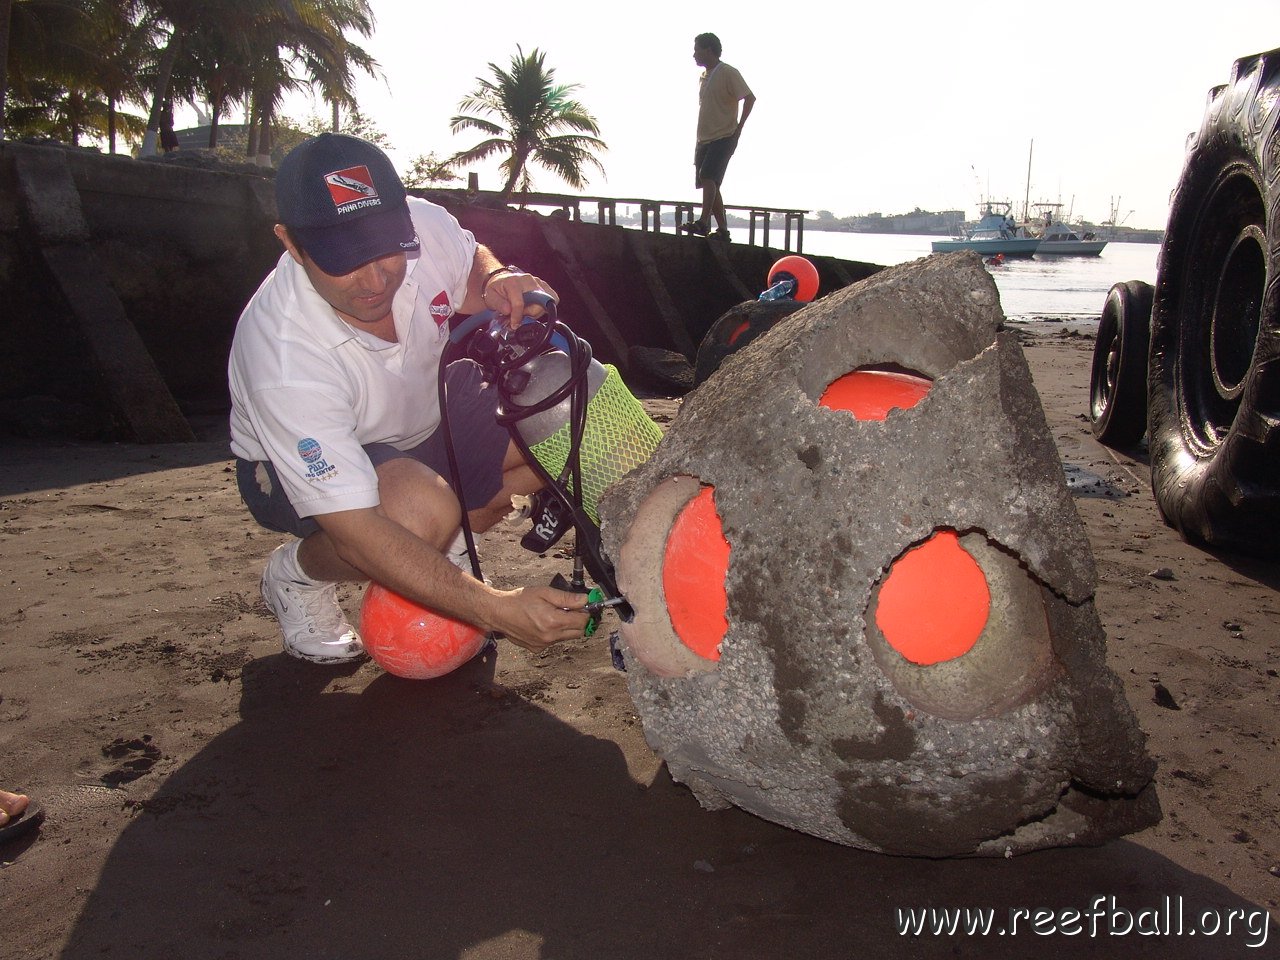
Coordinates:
x,y
6,11
263,158
337,119
517,168
111,124
251,122
75,110
213,127
167,60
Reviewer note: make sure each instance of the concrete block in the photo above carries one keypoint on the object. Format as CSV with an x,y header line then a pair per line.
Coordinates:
x,y
813,711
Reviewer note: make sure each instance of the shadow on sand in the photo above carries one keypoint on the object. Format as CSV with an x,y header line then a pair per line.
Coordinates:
x,y
451,818
36,465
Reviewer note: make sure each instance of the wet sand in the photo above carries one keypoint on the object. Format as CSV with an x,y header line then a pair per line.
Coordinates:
x,y
208,797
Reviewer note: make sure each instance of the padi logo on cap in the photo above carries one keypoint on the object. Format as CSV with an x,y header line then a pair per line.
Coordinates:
x,y
352,189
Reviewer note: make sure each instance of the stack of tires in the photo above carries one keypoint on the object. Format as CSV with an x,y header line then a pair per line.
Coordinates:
x,y
1194,363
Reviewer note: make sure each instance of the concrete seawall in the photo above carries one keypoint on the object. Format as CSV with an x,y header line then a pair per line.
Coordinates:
x,y
122,282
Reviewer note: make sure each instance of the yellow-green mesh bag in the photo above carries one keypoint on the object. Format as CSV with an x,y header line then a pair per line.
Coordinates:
x,y
619,436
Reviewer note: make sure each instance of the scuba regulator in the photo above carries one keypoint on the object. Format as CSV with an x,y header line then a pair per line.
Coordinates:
x,y
573,419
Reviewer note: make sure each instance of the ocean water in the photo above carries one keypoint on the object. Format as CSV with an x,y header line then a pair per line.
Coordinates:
x,y
1047,288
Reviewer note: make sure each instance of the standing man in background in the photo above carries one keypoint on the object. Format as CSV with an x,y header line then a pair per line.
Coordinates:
x,y
720,88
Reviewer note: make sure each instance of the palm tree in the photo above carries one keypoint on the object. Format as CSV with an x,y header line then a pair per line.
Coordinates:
x,y
72,64
42,42
47,109
91,53
313,35
128,35
216,69
195,18
529,110
318,42
272,79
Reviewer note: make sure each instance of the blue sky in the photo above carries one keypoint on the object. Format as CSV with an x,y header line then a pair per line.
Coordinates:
x,y
860,108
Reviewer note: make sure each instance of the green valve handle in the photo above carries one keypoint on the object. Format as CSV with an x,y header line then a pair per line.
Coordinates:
x,y
595,607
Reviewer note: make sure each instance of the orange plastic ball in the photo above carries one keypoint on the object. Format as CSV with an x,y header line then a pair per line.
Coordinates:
x,y
871,394
804,272
410,641
694,566
934,602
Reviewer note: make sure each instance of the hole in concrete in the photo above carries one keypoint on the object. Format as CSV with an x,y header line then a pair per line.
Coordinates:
x,y
694,566
976,646
672,567
870,392
934,601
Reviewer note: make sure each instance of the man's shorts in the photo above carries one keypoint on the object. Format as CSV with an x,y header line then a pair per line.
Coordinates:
x,y
479,444
711,160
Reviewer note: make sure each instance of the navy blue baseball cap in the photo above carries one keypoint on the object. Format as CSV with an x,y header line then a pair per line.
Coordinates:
x,y
343,202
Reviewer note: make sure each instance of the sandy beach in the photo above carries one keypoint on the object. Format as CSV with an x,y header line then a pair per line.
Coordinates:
x,y
208,797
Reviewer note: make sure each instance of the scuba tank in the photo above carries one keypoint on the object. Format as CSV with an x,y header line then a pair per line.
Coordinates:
x,y
617,437
572,417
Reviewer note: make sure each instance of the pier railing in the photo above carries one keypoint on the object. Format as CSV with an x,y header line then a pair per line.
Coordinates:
x,y
652,213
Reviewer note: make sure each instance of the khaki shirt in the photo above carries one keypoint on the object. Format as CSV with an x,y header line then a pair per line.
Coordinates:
x,y
719,92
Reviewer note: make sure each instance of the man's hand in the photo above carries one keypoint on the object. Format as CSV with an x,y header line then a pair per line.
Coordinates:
x,y
537,617
505,296
492,286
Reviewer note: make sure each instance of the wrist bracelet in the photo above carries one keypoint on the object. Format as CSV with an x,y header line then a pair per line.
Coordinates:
x,y
484,287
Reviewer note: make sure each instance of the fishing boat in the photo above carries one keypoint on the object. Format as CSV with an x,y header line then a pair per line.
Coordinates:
x,y
996,233
1058,239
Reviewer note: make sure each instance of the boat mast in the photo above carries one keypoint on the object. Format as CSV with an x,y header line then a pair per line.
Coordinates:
x,y
1026,198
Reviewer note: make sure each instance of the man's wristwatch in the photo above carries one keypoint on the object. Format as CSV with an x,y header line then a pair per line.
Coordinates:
x,y
509,269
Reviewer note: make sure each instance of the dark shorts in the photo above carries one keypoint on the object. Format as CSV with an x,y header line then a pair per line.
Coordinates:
x,y
479,444
711,160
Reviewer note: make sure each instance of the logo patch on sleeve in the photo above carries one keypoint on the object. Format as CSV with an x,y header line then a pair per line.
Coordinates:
x,y
318,468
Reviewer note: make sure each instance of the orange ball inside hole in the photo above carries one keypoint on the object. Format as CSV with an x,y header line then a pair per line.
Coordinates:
x,y
934,601
694,566
411,641
871,394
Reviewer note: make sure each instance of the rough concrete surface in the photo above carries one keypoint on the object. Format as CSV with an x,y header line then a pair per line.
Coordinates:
x,y
808,718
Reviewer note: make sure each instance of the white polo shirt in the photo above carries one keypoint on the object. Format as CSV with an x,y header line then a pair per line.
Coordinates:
x,y
308,389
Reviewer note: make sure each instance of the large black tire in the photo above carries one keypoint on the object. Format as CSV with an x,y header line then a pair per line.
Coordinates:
x,y
659,371
1214,384
737,327
1118,381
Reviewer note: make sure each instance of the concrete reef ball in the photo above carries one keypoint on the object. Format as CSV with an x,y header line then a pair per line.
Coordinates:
x,y
863,596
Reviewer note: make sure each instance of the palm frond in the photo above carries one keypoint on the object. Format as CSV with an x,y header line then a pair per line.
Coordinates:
x,y
524,113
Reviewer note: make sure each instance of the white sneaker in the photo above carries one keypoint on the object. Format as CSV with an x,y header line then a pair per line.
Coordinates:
x,y
314,625
457,553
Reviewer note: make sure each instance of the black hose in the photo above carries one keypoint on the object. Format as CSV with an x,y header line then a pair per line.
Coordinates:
x,y
455,475
510,413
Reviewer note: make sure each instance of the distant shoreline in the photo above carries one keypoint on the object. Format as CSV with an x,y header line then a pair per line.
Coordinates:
x,y
1119,235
